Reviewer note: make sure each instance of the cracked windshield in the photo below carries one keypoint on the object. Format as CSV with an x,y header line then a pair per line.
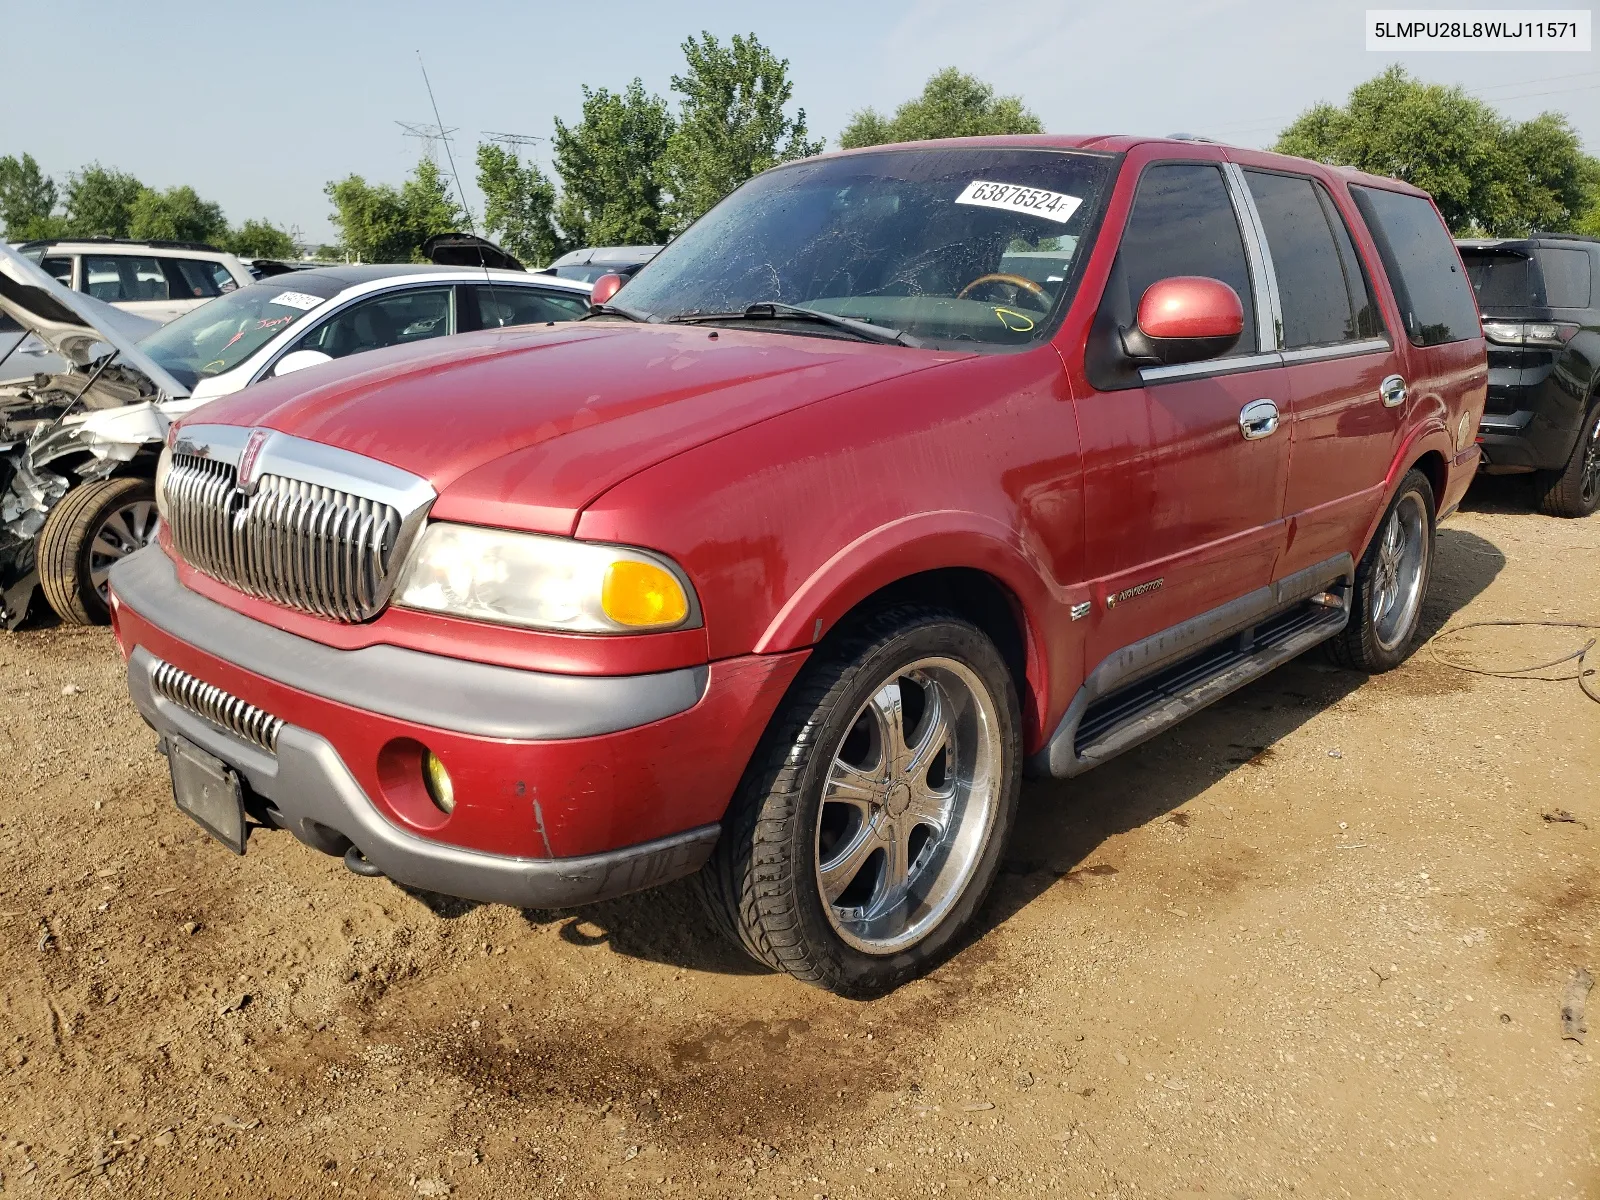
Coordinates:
x,y
966,248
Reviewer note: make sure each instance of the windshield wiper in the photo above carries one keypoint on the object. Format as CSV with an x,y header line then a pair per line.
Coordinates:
x,y
773,310
614,310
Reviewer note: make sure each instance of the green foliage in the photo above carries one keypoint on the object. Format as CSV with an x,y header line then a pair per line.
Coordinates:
x,y
260,239
731,123
176,215
1488,175
951,105
609,163
380,223
27,199
519,206
100,202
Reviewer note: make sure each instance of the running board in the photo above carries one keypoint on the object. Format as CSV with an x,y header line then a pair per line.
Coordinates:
x,y
1152,685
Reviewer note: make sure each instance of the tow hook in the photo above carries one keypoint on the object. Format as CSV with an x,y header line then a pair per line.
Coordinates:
x,y
358,864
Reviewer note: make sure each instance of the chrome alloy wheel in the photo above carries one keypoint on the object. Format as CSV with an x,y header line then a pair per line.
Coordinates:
x,y
131,527
1399,572
908,805
1589,485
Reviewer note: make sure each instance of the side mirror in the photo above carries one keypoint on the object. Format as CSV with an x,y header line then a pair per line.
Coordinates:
x,y
299,360
1185,319
606,287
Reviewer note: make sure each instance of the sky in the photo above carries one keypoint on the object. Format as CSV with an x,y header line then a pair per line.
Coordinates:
x,y
258,107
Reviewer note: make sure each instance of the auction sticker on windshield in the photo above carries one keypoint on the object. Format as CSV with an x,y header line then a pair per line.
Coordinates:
x,y
297,300
1036,202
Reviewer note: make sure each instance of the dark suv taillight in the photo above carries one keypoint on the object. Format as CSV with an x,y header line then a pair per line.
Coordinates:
x,y
1529,333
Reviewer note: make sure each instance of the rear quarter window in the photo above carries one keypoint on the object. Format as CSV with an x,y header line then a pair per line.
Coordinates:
x,y
1432,292
1567,275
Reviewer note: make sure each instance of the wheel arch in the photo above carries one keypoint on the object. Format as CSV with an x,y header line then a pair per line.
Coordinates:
x,y
969,563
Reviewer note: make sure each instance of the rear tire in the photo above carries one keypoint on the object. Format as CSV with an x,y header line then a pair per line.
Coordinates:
x,y
92,527
870,823
1574,490
1391,583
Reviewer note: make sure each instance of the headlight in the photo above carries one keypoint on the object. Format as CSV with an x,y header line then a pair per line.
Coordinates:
x,y
163,465
542,582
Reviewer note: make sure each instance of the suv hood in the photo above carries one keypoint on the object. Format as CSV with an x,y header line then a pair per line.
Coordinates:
x,y
72,324
524,427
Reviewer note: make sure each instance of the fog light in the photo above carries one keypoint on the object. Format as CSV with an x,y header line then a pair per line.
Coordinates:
x,y
437,780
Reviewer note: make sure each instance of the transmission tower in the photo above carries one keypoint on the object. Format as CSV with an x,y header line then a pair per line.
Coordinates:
x,y
429,135
517,142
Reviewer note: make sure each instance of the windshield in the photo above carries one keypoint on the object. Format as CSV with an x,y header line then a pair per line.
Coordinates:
x,y
953,246
222,333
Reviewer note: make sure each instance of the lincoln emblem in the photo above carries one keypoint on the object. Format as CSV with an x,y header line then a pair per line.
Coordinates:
x,y
247,460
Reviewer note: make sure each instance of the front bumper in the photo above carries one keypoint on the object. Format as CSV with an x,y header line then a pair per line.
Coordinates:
x,y
569,788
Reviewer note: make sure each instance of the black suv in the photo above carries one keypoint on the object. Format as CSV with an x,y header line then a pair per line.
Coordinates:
x,y
1540,300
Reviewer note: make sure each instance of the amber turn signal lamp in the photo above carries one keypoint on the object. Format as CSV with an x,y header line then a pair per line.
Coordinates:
x,y
642,595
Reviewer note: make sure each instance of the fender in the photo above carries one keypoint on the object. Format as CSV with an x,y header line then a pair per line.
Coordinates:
x,y
942,539
1429,434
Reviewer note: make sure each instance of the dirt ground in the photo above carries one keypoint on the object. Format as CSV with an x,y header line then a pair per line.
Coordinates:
x,y
1315,941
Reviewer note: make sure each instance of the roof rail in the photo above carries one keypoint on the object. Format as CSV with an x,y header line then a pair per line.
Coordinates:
x,y
1571,237
101,239
1192,137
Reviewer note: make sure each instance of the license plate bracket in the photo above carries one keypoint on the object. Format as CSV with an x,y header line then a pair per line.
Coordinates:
x,y
209,791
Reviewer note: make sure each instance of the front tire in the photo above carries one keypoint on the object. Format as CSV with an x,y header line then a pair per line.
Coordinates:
x,y
1391,583
870,824
90,529
1574,490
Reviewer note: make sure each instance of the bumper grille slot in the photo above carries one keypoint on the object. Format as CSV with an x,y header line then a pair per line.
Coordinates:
x,y
298,544
210,703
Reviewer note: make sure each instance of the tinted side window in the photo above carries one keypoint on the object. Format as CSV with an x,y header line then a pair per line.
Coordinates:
x,y
190,278
61,268
1420,260
1182,223
116,278
1566,277
497,306
392,320
1320,285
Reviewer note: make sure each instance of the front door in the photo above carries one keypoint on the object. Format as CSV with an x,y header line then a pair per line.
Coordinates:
x,y
1184,510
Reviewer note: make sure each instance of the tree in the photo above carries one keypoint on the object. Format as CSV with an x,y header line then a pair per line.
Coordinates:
x,y
260,239
609,163
1488,175
380,223
175,215
100,202
27,199
731,124
519,206
951,105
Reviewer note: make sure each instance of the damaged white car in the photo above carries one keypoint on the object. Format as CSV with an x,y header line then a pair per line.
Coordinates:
x,y
78,447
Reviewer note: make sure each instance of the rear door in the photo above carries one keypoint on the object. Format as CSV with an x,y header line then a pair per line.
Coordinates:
x,y
1446,370
1344,420
1184,512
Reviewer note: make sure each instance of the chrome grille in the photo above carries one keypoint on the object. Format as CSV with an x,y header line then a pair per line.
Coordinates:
x,y
210,703
305,545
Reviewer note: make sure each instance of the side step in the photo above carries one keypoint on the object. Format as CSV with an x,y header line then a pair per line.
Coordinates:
x,y
1144,688
1131,714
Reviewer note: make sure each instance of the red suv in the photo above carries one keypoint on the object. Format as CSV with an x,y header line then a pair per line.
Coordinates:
x,y
901,471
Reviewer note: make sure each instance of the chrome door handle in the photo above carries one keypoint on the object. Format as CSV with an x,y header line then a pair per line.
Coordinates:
x,y
1258,419
1392,391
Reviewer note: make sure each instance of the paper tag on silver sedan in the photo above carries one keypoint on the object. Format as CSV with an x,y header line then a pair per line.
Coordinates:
x,y
1013,197
298,300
